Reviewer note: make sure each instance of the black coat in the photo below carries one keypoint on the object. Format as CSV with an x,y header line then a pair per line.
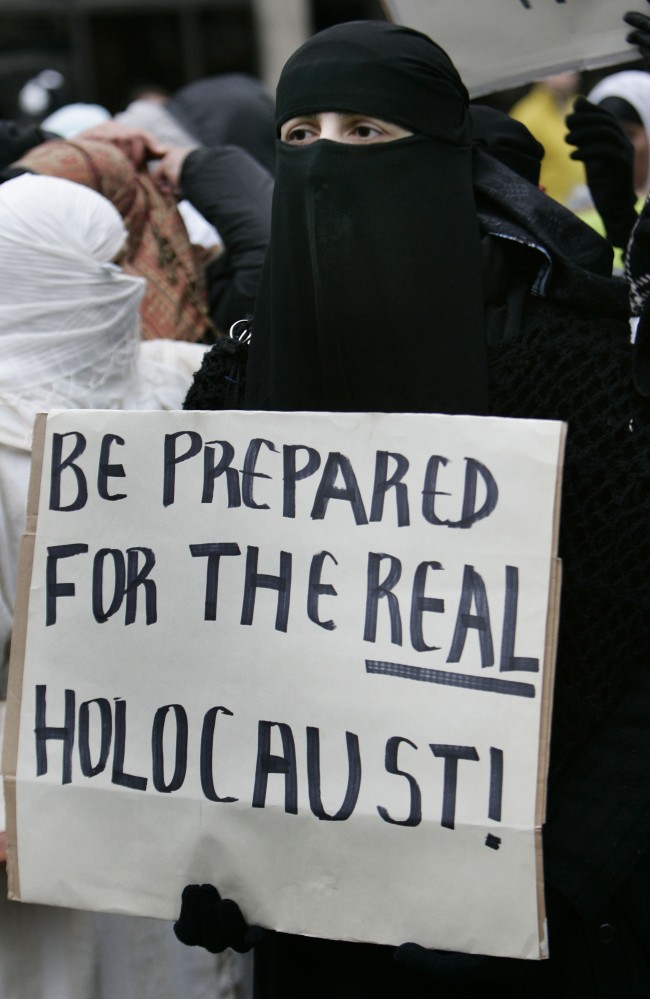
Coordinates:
x,y
234,193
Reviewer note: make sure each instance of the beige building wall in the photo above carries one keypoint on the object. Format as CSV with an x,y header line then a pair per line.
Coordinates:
x,y
282,25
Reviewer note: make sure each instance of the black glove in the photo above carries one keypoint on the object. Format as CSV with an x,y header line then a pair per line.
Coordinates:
x,y
209,921
641,34
608,156
455,969
449,968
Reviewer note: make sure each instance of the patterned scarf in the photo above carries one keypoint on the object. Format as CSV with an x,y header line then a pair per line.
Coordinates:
x,y
158,248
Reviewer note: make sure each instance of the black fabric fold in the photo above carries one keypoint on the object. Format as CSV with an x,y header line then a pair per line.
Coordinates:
x,y
574,261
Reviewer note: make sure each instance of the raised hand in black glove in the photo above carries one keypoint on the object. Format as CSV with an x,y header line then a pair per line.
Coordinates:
x,y
641,34
207,920
608,156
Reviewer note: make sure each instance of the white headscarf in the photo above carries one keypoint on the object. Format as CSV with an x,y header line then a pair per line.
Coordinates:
x,y
632,86
71,119
69,336
69,325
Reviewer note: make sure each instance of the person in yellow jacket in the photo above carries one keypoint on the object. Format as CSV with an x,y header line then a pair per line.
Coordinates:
x,y
543,111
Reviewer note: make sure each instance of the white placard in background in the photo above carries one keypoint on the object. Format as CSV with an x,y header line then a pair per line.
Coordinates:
x,y
496,44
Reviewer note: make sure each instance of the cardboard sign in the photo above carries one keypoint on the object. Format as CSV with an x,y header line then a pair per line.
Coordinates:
x,y
496,44
304,657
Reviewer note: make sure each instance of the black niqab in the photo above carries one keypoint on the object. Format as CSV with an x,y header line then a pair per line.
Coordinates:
x,y
370,298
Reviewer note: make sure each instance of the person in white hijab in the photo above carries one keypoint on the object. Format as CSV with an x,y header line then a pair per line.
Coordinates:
x,y
69,335
627,96
69,338
71,119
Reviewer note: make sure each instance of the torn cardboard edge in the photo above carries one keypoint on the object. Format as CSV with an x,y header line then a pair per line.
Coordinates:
x,y
550,661
17,657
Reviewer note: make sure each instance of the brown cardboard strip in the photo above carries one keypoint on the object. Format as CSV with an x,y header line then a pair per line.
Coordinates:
x,y
17,660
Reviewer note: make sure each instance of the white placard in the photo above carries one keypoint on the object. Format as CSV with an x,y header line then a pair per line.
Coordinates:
x,y
496,44
304,657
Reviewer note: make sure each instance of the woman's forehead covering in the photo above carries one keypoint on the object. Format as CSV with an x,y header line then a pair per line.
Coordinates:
x,y
379,69
52,214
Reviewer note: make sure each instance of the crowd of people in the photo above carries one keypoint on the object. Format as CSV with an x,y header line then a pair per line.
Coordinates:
x,y
390,248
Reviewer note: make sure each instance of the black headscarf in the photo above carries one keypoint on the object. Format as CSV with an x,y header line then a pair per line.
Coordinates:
x,y
508,140
370,298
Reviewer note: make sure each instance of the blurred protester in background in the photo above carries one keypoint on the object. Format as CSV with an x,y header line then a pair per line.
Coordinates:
x,y
71,119
230,109
543,111
70,334
610,130
233,192
43,94
158,248
202,258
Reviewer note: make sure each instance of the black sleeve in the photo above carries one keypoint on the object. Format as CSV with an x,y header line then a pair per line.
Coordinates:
x,y
598,821
233,192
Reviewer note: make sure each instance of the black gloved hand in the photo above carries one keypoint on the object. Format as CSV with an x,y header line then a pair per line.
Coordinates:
x,y
641,34
608,156
449,968
207,920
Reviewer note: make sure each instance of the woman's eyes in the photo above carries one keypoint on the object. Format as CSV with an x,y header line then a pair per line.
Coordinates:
x,y
350,130
301,134
363,131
